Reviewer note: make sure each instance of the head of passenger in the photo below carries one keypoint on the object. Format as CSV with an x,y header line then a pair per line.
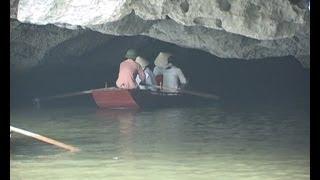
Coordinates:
x,y
142,61
131,54
162,60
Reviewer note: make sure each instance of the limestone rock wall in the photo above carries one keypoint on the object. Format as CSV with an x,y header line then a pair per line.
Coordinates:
x,y
257,19
243,29
29,43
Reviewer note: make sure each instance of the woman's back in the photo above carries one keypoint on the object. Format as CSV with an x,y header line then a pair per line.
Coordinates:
x,y
173,77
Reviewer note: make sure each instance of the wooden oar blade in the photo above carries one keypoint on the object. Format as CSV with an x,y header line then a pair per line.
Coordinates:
x,y
44,139
201,94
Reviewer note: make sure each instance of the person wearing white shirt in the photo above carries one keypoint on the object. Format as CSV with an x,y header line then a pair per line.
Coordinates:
x,y
150,81
173,77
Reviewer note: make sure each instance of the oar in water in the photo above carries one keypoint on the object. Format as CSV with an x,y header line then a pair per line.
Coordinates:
x,y
44,139
195,93
201,94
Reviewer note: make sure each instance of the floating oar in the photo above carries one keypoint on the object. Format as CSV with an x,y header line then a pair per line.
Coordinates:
x,y
44,139
195,93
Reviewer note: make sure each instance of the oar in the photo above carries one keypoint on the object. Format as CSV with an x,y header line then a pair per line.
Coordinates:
x,y
44,139
37,100
69,94
201,94
195,93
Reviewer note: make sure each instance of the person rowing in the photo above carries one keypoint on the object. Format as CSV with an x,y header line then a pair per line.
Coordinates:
x,y
129,70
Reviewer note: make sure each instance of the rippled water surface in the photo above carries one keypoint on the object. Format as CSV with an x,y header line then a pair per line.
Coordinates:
x,y
175,143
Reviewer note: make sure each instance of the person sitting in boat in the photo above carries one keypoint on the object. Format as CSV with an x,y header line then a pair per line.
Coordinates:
x,y
173,77
160,63
129,70
150,81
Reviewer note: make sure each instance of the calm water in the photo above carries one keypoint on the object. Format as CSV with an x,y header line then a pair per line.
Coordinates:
x,y
177,143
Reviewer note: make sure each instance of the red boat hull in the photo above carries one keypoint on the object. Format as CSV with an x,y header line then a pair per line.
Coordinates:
x,y
114,99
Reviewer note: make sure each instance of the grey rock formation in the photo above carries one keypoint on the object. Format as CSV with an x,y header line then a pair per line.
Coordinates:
x,y
257,19
29,43
226,28
13,8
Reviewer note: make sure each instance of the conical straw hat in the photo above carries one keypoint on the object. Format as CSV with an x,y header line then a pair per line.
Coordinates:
x,y
143,62
162,60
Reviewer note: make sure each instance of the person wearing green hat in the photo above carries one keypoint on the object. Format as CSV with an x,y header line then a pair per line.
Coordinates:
x,y
129,70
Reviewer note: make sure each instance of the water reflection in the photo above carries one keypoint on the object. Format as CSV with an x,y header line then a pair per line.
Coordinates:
x,y
125,118
176,143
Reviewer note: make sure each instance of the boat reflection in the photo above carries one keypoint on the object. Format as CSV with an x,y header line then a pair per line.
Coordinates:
x,y
125,119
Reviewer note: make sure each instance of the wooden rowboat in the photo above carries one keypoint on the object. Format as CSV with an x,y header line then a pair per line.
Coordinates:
x,y
115,98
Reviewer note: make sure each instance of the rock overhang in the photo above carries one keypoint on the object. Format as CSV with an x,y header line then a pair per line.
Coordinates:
x,y
225,28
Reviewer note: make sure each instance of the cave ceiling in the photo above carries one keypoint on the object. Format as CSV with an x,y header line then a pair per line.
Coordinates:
x,y
246,29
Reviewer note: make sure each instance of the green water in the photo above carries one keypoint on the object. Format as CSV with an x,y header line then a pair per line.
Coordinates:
x,y
179,143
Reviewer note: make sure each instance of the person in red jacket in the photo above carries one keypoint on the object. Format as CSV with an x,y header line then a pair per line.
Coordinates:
x,y
129,70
